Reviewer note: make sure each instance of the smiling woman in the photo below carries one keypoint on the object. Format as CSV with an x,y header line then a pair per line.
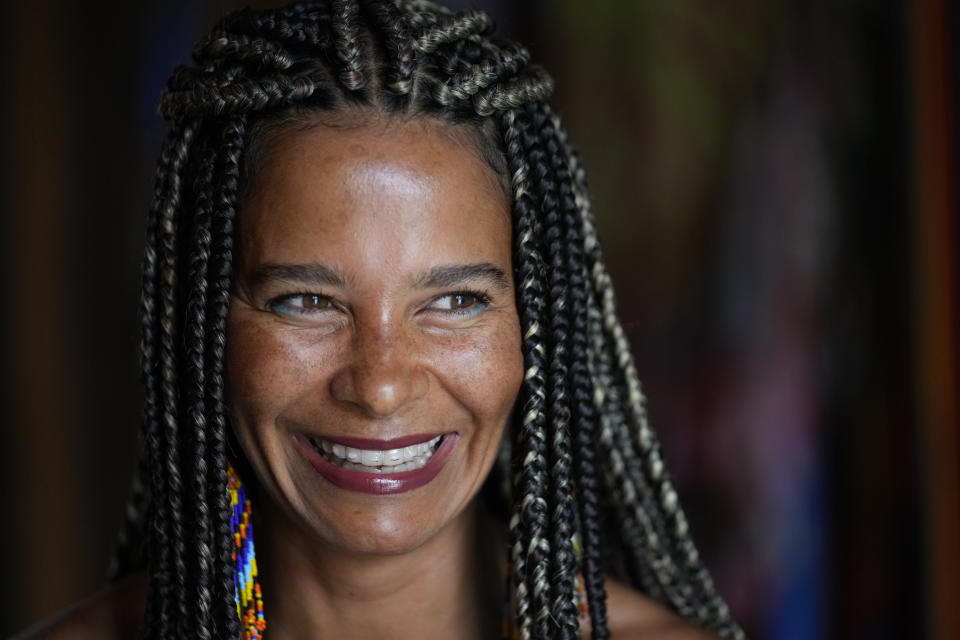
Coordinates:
x,y
372,325
372,278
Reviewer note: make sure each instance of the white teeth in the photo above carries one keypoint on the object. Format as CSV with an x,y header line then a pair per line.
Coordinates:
x,y
370,458
375,461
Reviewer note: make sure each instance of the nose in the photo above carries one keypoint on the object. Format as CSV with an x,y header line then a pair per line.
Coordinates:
x,y
383,374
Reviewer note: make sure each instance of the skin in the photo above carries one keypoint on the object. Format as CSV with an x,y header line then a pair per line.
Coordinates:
x,y
380,352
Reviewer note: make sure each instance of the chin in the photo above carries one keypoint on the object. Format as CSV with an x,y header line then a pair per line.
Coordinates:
x,y
384,539
381,530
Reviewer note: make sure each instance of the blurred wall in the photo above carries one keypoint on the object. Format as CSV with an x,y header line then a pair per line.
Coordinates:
x,y
754,168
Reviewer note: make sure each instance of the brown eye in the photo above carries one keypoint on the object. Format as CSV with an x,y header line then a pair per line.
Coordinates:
x,y
301,304
462,301
314,303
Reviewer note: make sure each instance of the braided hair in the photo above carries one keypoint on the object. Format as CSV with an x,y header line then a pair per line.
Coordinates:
x,y
585,460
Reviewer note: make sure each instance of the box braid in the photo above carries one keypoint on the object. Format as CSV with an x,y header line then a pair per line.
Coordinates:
x,y
530,549
580,408
558,411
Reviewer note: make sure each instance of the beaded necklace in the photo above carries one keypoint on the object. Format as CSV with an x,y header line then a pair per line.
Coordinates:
x,y
249,596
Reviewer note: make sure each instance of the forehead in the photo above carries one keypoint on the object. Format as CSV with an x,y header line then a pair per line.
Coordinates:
x,y
400,190
480,139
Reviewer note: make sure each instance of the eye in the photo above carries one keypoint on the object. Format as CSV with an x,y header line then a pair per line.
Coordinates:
x,y
301,304
466,303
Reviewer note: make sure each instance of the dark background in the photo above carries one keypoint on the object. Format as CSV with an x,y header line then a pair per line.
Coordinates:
x,y
776,188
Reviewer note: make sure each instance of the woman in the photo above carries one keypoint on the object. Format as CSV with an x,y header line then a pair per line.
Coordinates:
x,y
371,277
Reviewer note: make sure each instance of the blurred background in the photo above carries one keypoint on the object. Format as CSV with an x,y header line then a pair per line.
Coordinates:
x,y
776,188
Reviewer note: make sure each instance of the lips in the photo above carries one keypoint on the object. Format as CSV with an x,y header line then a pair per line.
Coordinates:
x,y
379,467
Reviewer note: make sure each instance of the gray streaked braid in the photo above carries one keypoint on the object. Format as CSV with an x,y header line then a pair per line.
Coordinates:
x,y
348,45
453,28
464,86
529,521
243,48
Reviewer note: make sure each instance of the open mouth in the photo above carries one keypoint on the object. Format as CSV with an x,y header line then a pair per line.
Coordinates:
x,y
408,458
402,465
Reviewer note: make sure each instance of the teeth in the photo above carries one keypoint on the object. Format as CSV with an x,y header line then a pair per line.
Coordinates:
x,y
375,461
371,458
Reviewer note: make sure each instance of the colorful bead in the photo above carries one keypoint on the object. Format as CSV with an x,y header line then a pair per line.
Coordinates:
x,y
247,595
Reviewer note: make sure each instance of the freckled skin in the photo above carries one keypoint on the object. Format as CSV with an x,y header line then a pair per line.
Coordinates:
x,y
381,204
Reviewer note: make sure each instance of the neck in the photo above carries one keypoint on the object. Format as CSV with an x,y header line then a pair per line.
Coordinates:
x,y
452,586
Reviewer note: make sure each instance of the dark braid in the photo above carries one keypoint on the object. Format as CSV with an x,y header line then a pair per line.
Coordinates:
x,y
243,48
399,47
529,522
464,86
169,492
128,552
347,39
579,408
195,323
453,28
584,414
221,275
561,499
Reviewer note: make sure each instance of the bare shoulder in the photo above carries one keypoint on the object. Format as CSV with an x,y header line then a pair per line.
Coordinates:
x,y
633,616
113,614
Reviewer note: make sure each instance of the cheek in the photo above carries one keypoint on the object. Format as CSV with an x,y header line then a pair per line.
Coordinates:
x,y
487,375
263,371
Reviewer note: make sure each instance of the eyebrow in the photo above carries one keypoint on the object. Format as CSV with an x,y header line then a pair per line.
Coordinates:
x,y
313,273
452,275
436,277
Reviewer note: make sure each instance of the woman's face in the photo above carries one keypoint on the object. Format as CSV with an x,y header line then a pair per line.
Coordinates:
x,y
373,313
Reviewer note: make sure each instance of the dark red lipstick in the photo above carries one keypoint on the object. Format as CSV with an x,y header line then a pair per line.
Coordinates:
x,y
378,483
